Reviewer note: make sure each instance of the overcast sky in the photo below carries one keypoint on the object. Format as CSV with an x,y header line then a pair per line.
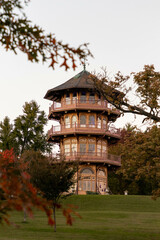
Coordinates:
x,y
123,35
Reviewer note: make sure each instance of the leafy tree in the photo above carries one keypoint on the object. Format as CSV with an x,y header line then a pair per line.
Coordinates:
x,y
29,130
144,86
53,177
18,33
140,153
6,134
16,189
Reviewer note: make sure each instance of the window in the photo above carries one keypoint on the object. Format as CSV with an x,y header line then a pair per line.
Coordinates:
x,y
66,149
104,149
83,97
83,120
74,121
87,171
82,148
67,122
104,123
74,99
84,186
91,98
99,100
80,185
74,148
99,148
91,149
93,186
87,184
101,173
68,100
91,121
99,122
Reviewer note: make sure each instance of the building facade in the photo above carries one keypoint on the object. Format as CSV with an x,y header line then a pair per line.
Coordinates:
x,y
83,131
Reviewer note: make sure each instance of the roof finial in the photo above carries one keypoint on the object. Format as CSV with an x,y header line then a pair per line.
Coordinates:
x,y
84,63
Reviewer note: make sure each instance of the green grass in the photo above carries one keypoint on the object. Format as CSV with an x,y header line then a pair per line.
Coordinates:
x,y
103,217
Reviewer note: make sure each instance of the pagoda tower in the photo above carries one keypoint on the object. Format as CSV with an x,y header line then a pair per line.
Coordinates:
x,y
83,132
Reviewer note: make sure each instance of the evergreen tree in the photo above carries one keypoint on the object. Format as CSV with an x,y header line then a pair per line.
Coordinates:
x,y
6,134
29,129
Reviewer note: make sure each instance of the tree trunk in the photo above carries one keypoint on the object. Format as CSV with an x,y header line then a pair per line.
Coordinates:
x,y
54,217
24,215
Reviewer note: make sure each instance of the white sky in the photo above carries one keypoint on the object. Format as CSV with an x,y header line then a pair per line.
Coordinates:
x,y
123,35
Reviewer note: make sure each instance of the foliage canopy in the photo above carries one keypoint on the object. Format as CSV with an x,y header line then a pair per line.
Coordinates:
x,y
18,33
143,87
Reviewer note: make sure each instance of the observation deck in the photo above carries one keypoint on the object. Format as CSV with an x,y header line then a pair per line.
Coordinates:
x,y
58,108
90,157
83,129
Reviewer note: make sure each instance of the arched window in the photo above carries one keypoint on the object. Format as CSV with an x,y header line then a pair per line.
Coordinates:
x,y
87,171
74,121
87,184
83,120
67,122
83,97
101,173
91,121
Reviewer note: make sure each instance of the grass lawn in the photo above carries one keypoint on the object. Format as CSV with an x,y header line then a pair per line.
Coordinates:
x,y
112,217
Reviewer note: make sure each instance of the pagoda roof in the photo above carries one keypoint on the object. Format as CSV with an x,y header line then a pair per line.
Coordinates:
x,y
80,81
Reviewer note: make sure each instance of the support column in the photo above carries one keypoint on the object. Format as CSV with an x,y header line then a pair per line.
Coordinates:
x,y
107,178
96,179
77,180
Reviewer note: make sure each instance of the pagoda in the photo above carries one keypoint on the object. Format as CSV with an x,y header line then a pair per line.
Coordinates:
x,y
83,131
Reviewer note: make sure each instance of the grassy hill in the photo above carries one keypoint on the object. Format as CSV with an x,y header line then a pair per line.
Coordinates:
x,y
112,217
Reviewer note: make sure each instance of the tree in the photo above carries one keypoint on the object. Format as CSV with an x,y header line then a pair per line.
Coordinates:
x,y
140,153
145,87
53,177
18,33
16,189
29,130
6,134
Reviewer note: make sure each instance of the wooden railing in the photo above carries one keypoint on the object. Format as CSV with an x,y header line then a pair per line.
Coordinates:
x,y
90,157
84,128
81,103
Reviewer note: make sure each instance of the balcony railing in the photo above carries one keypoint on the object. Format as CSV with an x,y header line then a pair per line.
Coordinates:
x,y
84,128
81,104
91,157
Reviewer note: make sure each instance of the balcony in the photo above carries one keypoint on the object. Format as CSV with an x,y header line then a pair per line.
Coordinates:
x,y
100,105
77,128
92,157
